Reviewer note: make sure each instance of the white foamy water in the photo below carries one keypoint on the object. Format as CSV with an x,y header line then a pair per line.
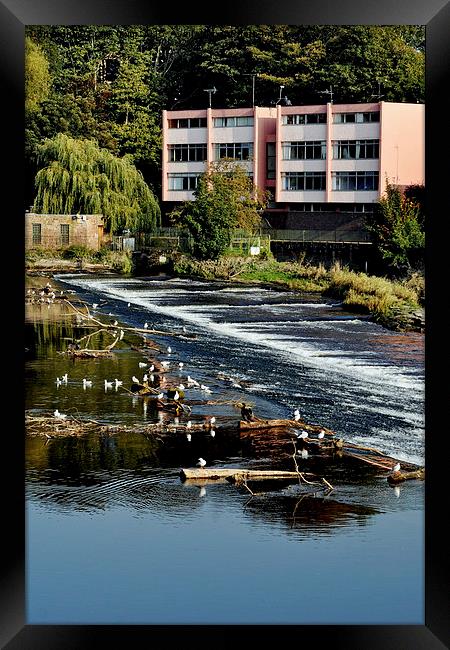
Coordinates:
x,y
333,358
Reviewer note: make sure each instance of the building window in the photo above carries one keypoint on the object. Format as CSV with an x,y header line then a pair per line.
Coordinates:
x,y
37,234
355,149
177,182
308,150
356,118
64,234
270,160
303,181
187,123
234,150
304,118
233,121
354,181
187,152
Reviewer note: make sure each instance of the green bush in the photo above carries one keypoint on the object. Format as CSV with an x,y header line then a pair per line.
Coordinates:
x,y
78,251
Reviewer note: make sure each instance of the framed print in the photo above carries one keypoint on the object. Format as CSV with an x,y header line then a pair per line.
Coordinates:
x,y
120,526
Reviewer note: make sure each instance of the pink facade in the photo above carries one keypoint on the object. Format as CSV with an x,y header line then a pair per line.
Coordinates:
x,y
328,154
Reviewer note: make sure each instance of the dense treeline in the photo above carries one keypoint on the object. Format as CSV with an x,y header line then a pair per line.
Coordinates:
x,y
109,84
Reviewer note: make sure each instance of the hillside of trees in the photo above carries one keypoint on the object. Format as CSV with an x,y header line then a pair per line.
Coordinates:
x,y
109,84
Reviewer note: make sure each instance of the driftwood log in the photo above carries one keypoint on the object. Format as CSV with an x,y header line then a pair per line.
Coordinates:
x,y
399,477
235,474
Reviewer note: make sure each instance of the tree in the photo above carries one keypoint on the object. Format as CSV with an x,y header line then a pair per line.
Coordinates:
x,y
225,199
78,176
397,229
37,76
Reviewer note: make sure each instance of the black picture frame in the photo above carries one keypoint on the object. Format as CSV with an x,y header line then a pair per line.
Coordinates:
x,y
15,634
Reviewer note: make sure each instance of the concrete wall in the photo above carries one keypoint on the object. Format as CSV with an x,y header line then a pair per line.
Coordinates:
x,y
84,230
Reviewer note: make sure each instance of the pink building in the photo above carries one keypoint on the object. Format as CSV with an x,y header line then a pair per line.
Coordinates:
x,y
329,157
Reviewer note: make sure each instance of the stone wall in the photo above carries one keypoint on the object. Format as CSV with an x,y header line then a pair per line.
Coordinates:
x,y
83,230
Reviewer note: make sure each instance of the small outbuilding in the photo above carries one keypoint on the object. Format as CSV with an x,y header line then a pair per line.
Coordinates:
x,y
55,231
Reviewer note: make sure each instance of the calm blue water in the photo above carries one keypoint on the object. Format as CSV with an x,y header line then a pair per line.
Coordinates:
x,y
114,536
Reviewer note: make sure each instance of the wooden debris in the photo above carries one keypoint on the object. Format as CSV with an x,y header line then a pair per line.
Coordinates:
x,y
399,477
234,474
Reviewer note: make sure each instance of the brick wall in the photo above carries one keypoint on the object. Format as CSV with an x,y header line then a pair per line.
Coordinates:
x,y
82,230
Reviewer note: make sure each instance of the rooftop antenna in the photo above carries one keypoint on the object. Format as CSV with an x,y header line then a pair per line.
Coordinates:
x,y
329,92
210,91
279,98
253,75
379,95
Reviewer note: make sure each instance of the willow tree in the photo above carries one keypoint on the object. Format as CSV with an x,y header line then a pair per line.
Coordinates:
x,y
77,176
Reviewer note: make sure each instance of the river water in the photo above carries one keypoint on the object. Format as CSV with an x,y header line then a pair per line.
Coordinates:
x,y
114,536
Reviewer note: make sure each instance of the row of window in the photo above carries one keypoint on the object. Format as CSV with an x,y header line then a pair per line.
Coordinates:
x,y
338,118
186,181
294,119
341,181
37,234
198,122
305,150
297,181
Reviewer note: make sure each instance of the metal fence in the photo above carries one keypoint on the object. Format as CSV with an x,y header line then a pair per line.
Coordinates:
x,y
180,239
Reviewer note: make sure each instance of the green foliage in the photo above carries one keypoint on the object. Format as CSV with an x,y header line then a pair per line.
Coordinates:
x,y
225,199
76,176
37,76
79,252
397,229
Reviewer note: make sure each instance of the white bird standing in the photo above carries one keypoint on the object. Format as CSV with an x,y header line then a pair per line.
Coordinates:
x,y
94,305
135,380
169,349
188,424
145,377
152,367
201,462
181,364
396,468
118,382
321,434
142,364
189,437
212,420
192,382
60,416
176,397
212,433
87,383
64,378
145,325
108,384
303,435
202,492
160,395
165,364
296,415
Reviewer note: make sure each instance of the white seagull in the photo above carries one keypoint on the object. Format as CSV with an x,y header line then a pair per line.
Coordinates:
x,y
60,416
181,364
169,349
189,437
145,325
212,420
165,364
201,462
87,383
188,424
94,305
303,434
145,377
152,367
396,468
176,397
142,364
321,434
135,380
64,378
160,396
118,382
296,415
212,433
108,384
